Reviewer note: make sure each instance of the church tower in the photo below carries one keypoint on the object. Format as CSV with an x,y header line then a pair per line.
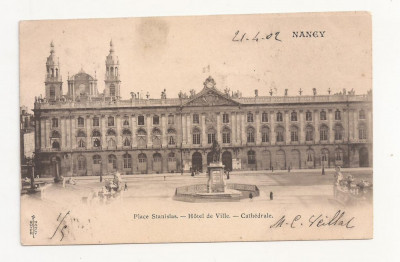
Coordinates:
x,y
53,83
112,81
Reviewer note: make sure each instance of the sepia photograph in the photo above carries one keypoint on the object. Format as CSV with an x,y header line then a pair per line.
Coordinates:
x,y
196,129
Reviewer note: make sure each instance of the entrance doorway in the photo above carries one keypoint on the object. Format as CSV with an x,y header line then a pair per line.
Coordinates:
x,y
280,160
363,153
56,166
197,162
295,160
227,160
157,161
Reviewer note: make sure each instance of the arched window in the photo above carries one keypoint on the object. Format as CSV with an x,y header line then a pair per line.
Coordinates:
x,y
142,158
55,145
280,134
323,133
116,71
196,136
226,136
127,142
338,115
56,72
324,155
250,118
81,163
111,132
322,115
338,132
96,121
81,121
310,156
279,117
362,132
251,157
264,117
127,160
294,134
293,116
156,120
265,134
96,133
308,116
52,72
54,122
111,143
250,135
211,135
196,119
55,134
126,122
110,121
126,132
81,133
309,133
171,136
112,160
96,142
96,159
361,114
156,137
338,155
112,87
81,143
142,138
171,157
157,157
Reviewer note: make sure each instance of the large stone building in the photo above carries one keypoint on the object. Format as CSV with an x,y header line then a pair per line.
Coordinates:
x,y
84,132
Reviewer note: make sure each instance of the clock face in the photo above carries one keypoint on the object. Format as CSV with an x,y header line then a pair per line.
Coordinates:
x,y
210,84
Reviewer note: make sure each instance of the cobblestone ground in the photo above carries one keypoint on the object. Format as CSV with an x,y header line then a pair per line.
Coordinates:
x,y
305,187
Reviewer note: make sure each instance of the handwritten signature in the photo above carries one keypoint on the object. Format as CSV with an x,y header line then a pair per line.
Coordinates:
x,y
241,37
338,219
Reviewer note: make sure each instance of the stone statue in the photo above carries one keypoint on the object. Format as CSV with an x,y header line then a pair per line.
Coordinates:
x,y
286,92
216,152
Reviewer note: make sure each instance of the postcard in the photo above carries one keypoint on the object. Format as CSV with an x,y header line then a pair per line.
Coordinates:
x,y
196,129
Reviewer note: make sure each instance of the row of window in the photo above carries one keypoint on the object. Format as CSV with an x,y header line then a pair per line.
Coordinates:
x,y
127,160
280,155
196,118
111,121
211,136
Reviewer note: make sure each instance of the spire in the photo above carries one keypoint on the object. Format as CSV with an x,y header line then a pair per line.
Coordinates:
x,y
52,47
111,46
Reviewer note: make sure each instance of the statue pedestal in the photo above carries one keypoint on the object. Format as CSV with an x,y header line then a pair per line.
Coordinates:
x,y
215,178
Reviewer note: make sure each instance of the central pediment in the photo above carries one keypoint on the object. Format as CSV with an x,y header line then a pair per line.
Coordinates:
x,y
211,97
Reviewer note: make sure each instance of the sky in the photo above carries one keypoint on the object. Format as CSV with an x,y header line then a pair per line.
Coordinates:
x,y
171,53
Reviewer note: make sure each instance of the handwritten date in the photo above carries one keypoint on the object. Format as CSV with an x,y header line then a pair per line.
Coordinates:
x,y
242,37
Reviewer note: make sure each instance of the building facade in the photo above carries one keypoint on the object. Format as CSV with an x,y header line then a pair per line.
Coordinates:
x,y
85,132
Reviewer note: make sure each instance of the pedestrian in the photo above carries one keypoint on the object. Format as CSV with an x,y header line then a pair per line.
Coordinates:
x,y
271,195
323,170
164,178
288,169
125,187
101,178
251,195
272,168
227,176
